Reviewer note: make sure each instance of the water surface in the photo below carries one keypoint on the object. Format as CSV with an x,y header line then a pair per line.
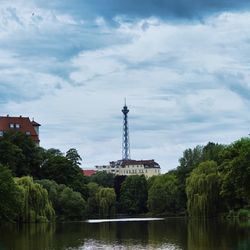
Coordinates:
x,y
170,234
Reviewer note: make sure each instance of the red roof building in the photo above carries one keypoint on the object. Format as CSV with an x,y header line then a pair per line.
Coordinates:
x,y
88,172
22,124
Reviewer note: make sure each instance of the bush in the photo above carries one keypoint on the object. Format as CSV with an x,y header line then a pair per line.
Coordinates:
x,y
243,214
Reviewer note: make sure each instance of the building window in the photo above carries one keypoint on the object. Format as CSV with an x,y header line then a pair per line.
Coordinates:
x,y
1,133
12,125
27,133
18,125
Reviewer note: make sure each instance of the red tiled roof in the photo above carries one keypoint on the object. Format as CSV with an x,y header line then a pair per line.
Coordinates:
x,y
25,125
88,172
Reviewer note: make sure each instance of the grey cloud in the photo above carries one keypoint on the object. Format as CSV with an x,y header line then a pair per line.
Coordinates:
x,y
169,9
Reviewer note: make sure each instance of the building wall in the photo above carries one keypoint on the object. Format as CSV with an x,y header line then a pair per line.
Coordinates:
x,y
128,170
138,170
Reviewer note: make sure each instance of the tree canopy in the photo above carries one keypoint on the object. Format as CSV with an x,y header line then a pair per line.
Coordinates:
x,y
203,188
134,194
162,194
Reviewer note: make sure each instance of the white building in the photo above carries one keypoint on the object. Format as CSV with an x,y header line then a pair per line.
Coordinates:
x,y
132,167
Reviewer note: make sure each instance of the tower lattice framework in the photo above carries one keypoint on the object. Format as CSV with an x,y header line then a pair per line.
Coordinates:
x,y
125,139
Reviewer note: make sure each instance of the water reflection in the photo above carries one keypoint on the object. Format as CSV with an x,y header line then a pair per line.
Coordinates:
x,y
214,234
167,234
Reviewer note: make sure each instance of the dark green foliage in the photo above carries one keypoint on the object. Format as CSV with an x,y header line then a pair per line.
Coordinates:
x,y
68,205
210,179
203,188
62,171
162,194
11,196
190,160
92,208
106,202
36,204
74,157
20,154
51,152
243,214
59,169
134,195
119,179
103,178
213,152
235,170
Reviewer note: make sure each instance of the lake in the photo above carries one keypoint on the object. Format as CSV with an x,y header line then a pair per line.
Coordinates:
x,y
169,234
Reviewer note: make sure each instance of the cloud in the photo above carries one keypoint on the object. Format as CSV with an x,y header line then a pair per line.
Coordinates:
x,y
165,9
186,82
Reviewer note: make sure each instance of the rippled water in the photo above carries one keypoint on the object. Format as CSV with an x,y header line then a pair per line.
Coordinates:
x,y
136,234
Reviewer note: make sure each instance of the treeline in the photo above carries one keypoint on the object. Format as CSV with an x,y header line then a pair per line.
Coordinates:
x,y
211,180
43,185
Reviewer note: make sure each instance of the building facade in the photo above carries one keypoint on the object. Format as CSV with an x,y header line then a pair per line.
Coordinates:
x,y
20,124
148,168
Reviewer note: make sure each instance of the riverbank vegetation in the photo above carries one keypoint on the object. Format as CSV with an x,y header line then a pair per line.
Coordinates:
x,y
38,185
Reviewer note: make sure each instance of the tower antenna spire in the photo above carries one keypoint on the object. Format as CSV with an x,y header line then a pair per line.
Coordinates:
x,y
125,138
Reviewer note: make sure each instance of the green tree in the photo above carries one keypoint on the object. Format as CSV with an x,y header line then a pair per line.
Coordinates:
x,y
191,158
203,188
92,208
20,154
162,195
235,171
134,194
11,196
74,157
104,179
62,171
213,152
72,204
106,202
68,204
52,152
37,206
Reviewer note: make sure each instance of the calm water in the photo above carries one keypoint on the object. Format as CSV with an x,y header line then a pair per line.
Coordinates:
x,y
161,234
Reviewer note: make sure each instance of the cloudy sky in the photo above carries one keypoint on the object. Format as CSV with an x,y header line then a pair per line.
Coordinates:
x,y
183,65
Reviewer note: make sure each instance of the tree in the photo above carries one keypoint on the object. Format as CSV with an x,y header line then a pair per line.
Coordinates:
x,y
59,169
213,152
11,196
37,206
68,205
19,152
106,201
62,171
119,179
103,179
134,194
203,188
235,171
74,157
92,208
162,195
72,204
190,159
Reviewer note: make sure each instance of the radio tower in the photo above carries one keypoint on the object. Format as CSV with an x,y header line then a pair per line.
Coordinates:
x,y
125,138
